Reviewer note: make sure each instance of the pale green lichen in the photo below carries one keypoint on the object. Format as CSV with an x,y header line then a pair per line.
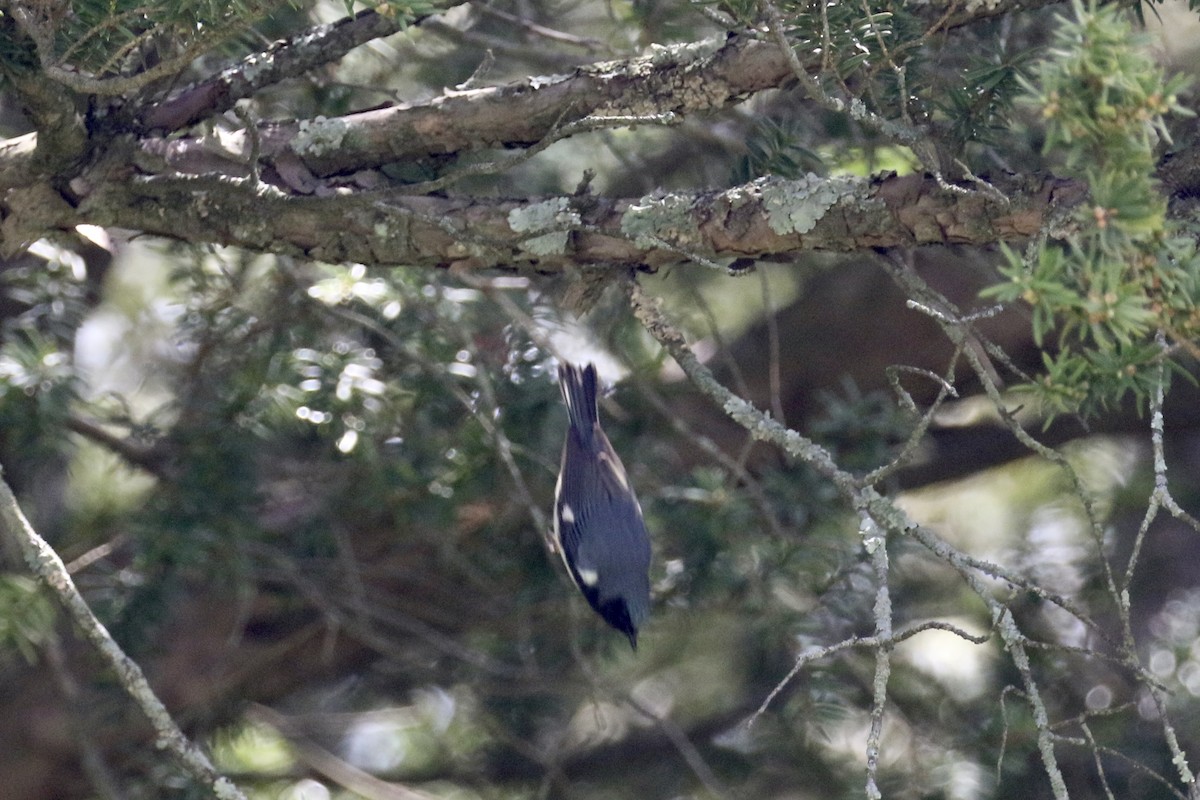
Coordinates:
x,y
389,237
554,215
685,52
797,206
654,219
542,81
740,195
548,244
689,55
982,5
319,136
255,66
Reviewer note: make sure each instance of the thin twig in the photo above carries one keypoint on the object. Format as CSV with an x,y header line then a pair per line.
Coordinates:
x,y
864,642
875,542
864,500
913,442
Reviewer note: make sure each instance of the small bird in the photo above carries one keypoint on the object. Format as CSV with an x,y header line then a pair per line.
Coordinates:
x,y
597,520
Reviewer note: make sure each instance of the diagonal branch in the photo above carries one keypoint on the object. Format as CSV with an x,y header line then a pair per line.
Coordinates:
x,y
286,58
686,79
45,562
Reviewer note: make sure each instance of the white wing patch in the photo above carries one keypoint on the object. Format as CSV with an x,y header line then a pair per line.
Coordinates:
x,y
589,576
568,516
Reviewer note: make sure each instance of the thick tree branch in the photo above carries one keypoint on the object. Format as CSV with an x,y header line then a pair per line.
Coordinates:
x,y
760,219
688,79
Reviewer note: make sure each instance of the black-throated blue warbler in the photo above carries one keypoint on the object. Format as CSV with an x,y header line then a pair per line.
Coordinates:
x,y
597,519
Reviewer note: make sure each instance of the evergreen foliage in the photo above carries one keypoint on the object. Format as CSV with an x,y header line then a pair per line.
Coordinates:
x,y
1125,273
311,497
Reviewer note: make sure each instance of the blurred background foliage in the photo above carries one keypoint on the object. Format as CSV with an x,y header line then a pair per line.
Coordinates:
x,y
310,498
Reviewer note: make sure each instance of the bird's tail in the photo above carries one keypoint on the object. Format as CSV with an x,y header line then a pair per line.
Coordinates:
x,y
579,393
